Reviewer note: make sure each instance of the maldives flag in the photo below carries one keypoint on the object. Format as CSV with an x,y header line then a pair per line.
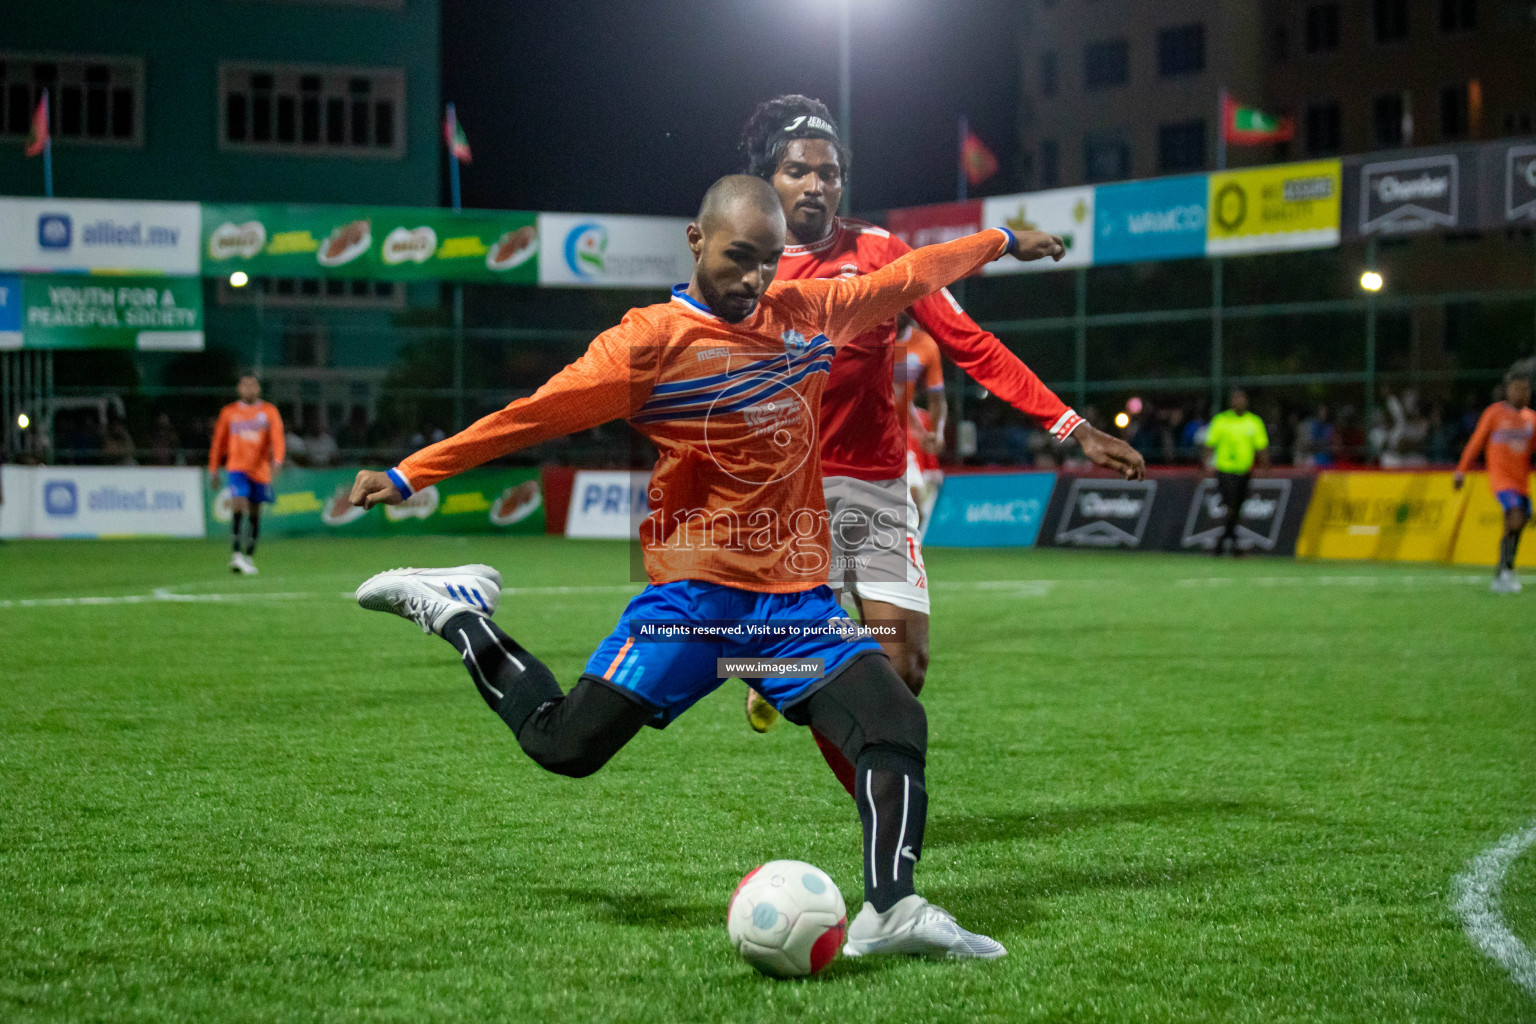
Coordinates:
x,y
1246,125
37,138
976,159
453,134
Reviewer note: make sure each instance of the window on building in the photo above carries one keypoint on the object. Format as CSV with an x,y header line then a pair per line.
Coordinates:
x,y
1324,135
1322,28
1458,15
1050,164
1106,157
1390,19
1181,146
306,109
90,99
1454,119
1106,63
1181,50
1050,79
1387,119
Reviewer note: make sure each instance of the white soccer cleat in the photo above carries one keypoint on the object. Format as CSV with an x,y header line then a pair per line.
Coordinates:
x,y
234,562
1506,582
242,564
430,597
916,927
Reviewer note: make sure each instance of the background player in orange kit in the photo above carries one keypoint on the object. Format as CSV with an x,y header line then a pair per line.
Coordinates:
x,y
791,143
248,442
1503,438
920,374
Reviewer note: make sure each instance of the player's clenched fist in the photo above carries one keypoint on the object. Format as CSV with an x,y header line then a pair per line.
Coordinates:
x,y
1037,245
370,489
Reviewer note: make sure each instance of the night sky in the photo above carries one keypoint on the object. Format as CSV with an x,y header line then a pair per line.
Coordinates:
x,y
610,107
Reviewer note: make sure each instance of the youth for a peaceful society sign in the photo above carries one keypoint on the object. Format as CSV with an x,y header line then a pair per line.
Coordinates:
x,y
375,242
59,311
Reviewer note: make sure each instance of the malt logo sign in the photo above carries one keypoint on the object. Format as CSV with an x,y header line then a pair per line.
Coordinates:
x,y
1409,195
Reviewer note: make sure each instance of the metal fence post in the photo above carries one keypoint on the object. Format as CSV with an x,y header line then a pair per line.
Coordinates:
x,y
1217,369
1370,342
1080,339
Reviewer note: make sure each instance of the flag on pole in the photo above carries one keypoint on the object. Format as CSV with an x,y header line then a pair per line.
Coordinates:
x,y
453,134
38,138
1248,126
976,159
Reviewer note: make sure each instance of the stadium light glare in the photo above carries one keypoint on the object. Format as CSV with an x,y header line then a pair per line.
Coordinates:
x,y
1371,281
1122,420
238,279
1133,406
23,421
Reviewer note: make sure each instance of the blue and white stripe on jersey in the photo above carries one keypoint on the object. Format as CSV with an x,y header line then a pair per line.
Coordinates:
x,y
737,389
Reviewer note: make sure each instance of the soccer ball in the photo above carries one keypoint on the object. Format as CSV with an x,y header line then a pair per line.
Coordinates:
x,y
787,919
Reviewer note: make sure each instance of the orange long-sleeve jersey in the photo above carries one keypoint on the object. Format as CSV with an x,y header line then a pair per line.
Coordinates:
x,y
732,409
248,439
1503,437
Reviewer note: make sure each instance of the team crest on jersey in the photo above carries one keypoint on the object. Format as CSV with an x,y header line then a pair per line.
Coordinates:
x,y
794,342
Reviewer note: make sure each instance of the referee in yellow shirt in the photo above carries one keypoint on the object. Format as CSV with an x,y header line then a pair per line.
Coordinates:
x,y
1236,440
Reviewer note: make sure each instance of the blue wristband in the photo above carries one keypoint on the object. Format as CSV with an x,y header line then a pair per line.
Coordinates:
x,y
1012,241
398,479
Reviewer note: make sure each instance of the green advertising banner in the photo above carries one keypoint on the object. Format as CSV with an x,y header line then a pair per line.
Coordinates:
x,y
81,311
314,501
386,243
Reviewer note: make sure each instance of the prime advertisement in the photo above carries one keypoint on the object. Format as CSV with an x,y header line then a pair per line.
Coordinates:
x,y
1271,209
607,504
99,235
990,510
314,501
383,243
1162,219
150,314
606,251
1402,517
1067,212
1482,526
81,501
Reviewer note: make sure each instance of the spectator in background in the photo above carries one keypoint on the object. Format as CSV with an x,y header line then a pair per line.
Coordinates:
x,y
164,444
1408,437
117,444
320,446
1236,440
1317,441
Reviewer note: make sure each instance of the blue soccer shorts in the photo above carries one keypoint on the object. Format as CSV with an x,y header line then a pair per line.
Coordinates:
x,y
665,649
1512,499
242,486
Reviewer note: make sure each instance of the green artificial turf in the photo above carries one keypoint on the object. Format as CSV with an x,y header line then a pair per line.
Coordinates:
x,y
1177,789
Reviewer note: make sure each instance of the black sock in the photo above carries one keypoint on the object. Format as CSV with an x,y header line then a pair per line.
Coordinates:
x,y
513,682
234,531
893,807
1508,545
250,543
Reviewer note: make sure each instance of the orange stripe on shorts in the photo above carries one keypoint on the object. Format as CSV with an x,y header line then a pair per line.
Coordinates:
x,y
608,675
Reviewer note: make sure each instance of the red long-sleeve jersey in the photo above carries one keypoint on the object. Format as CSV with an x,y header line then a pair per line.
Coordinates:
x,y
863,433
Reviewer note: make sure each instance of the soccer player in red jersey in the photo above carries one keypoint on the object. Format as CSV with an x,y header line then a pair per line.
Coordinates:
x,y
1503,438
248,442
726,381
791,143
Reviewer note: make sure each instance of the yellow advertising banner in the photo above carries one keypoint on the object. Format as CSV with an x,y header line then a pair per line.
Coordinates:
x,y
1482,525
1403,517
1269,209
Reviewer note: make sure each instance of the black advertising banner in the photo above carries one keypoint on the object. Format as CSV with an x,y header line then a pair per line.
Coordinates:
x,y
1411,191
1270,521
1107,513
1508,173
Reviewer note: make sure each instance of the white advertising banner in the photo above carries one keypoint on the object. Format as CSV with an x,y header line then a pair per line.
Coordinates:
x,y
89,501
607,504
602,251
100,234
1067,212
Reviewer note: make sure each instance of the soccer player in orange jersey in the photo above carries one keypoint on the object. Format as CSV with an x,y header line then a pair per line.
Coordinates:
x,y
248,442
1503,438
726,381
791,143
920,374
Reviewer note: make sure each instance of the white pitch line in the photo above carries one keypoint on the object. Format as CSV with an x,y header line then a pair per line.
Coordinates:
x,y
1477,901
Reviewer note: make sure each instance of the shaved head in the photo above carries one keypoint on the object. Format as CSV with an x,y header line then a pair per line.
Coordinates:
x,y
735,195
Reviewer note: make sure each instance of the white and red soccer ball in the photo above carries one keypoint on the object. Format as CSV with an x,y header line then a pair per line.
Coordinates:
x,y
787,919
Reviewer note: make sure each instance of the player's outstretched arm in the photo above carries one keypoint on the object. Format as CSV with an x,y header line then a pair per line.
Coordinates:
x,y
1474,448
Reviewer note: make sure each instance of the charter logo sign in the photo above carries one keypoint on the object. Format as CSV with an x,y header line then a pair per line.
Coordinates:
x,y
613,251
1520,183
1409,195
97,234
1151,220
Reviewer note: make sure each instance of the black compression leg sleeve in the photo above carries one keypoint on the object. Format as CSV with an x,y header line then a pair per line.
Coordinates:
x,y
236,522
570,734
877,722
1509,545
250,542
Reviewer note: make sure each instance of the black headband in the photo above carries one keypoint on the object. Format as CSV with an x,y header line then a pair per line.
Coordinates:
x,y
810,122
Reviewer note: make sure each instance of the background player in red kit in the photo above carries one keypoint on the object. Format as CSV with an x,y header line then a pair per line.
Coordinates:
x,y
791,143
248,442
1503,437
